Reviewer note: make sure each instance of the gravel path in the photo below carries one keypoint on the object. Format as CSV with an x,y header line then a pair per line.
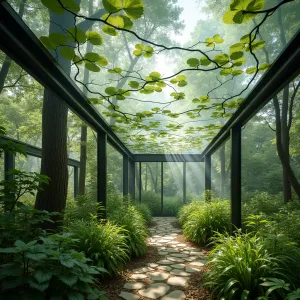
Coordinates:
x,y
169,277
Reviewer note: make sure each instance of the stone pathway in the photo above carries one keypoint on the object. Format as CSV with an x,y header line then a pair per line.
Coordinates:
x,y
167,277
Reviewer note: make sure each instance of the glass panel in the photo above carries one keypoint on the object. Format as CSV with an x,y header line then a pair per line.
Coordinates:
x,y
173,188
221,171
194,180
159,120
151,186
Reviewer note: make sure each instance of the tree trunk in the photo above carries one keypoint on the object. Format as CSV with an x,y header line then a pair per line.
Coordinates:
x,y
54,155
7,60
152,179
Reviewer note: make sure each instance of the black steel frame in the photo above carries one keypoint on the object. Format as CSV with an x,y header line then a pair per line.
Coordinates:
x,y
17,41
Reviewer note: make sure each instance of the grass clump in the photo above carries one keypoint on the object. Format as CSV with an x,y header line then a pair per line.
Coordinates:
x,y
206,218
145,212
105,244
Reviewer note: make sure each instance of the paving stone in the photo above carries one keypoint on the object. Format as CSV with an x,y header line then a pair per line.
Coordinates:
x,y
128,296
177,281
138,276
165,262
133,285
163,253
191,269
176,259
155,290
179,255
199,263
178,272
191,258
177,294
143,270
196,253
165,268
158,276
178,266
153,265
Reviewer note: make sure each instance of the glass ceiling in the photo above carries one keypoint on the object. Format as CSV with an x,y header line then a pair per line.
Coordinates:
x,y
160,100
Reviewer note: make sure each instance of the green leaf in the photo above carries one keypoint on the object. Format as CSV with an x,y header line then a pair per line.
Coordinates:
x,y
111,90
155,75
182,83
116,21
94,38
112,6
218,39
91,56
92,67
75,296
133,8
256,45
246,39
67,53
127,22
47,43
54,6
221,59
256,5
236,55
237,72
263,67
109,30
226,72
193,62
76,35
236,47
68,279
77,60
137,52
209,42
180,77
204,61
39,286
228,17
42,276
57,39
239,62
102,61
251,70
115,70
71,5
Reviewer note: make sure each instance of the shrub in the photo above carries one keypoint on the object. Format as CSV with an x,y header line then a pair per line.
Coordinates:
x,y
172,206
186,210
207,218
145,212
132,220
153,201
105,244
240,266
48,268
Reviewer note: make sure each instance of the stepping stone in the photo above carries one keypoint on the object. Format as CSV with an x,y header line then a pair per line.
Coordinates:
x,y
191,269
179,255
153,265
177,294
128,296
198,263
155,290
197,253
178,266
158,276
176,259
138,276
133,285
165,262
178,281
179,273
163,253
143,270
171,250
165,268
191,258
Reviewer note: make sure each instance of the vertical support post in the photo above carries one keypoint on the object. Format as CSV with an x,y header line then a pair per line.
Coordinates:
x,y
140,182
236,173
102,171
207,161
125,175
132,179
184,182
76,181
9,164
162,189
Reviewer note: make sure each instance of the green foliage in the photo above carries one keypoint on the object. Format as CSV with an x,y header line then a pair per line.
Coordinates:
x,y
207,218
128,217
145,212
240,267
48,268
186,210
105,244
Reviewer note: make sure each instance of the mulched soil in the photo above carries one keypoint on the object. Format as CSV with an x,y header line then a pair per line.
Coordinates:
x,y
194,290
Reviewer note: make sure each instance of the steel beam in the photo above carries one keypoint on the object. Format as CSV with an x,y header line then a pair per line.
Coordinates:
x,y
167,157
20,44
162,189
76,181
125,175
140,182
236,174
9,164
102,172
132,179
207,160
184,183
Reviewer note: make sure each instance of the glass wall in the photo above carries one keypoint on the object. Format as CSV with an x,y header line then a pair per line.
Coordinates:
x,y
194,180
